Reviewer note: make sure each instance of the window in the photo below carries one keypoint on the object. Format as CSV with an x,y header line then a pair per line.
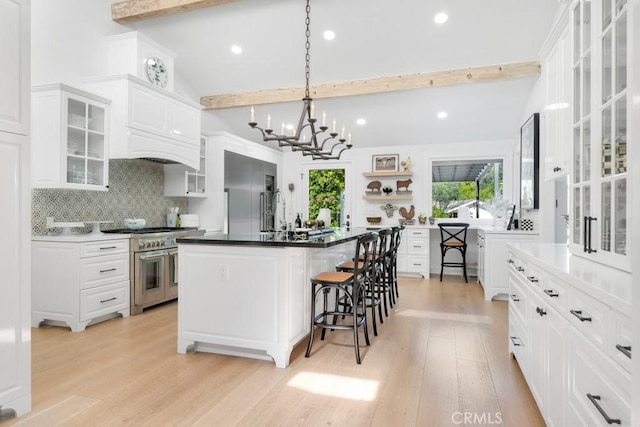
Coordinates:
x,y
466,188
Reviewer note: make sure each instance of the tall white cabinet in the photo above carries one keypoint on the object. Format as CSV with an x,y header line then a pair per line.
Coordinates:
x,y
602,99
15,339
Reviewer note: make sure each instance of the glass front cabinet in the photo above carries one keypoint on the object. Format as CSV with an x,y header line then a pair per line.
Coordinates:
x,y
181,180
70,138
599,209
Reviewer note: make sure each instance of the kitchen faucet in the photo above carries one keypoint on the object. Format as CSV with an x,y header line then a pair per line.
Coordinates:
x,y
278,195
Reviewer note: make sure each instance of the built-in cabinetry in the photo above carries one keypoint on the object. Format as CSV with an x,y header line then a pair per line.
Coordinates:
x,y
492,253
599,199
387,180
15,193
556,115
148,121
570,331
180,180
70,138
413,253
77,280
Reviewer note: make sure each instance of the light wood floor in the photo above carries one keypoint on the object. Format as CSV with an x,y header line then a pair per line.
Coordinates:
x,y
441,356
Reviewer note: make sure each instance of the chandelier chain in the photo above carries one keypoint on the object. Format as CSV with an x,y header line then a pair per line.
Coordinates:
x,y
307,68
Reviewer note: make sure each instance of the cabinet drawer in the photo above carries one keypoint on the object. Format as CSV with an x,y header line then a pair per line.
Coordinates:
x,y
594,315
417,263
619,346
103,270
103,300
518,299
555,293
519,343
104,247
418,233
418,246
592,373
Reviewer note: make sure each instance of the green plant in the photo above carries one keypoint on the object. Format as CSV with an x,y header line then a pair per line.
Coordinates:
x,y
325,189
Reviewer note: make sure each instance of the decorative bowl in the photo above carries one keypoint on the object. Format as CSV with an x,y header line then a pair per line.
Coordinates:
x,y
134,223
374,219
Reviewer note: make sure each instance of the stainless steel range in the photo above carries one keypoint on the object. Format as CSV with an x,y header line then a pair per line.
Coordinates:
x,y
153,264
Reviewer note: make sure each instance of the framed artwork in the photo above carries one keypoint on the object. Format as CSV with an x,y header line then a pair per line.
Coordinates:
x,y
385,163
530,163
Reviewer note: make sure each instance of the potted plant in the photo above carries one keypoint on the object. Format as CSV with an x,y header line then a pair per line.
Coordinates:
x,y
432,220
422,218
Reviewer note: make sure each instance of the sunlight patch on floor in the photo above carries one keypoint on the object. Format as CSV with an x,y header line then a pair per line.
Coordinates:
x,y
336,386
439,315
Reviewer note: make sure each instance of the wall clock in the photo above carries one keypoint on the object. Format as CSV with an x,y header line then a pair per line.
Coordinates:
x,y
157,72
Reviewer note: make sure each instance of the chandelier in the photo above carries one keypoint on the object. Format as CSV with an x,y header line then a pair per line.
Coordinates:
x,y
306,136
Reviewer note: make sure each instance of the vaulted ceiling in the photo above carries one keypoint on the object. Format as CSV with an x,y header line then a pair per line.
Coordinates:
x,y
373,39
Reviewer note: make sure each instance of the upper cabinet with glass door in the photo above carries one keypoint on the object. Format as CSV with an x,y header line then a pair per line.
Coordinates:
x,y
599,184
181,180
69,138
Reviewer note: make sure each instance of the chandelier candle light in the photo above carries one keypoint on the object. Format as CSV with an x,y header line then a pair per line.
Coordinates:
x,y
307,123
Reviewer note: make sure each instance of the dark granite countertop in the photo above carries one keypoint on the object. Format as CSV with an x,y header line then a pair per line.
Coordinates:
x,y
339,236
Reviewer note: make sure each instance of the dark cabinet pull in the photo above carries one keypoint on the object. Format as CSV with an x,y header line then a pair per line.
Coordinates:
x,y
106,271
513,340
625,349
578,314
589,248
108,247
509,261
533,279
594,399
515,298
520,268
107,300
550,293
540,311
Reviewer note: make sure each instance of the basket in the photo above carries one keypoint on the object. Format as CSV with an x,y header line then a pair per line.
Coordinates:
x,y
374,219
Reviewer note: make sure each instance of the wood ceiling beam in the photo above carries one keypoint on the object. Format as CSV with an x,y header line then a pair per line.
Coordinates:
x,y
128,11
375,85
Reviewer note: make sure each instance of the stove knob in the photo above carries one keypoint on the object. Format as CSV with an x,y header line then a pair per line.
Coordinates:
x,y
142,245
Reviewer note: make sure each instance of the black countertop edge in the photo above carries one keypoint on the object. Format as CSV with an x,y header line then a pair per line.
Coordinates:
x,y
339,236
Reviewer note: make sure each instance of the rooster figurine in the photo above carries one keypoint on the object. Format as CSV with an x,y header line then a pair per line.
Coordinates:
x,y
408,214
406,164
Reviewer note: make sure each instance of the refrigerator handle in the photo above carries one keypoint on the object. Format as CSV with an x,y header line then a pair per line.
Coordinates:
x,y
263,210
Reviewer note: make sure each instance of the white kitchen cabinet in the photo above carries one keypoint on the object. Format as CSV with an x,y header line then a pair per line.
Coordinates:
x,y
599,200
15,193
577,329
15,69
149,122
556,116
492,255
181,180
413,253
79,280
70,138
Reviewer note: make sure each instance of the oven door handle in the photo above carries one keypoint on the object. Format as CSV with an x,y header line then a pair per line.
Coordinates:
x,y
153,255
173,253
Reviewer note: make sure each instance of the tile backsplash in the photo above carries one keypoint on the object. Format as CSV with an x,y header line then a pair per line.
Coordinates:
x,y
136,190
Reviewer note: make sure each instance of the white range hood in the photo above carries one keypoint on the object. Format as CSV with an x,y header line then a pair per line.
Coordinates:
x,y
149,122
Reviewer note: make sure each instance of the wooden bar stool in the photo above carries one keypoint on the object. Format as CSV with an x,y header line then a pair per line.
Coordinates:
x,y
351,287
396,238
453,235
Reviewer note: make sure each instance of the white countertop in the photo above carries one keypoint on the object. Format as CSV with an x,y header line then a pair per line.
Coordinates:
x,y
486,228
86,237
610,285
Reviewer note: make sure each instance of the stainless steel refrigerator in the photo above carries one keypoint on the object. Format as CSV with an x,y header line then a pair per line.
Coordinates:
x,y
249,188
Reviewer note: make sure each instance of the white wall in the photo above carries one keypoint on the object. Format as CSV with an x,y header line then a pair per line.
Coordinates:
x,y
68,42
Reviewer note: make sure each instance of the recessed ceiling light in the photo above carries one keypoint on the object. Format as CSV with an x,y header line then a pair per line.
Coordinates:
x,y
440,18
236,49
361,121
329,35
442,115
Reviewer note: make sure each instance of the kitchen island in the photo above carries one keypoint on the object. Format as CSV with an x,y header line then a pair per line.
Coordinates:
x,y
249,294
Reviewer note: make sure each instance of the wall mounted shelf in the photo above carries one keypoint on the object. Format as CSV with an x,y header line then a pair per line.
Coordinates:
x,y
407,197
383,174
